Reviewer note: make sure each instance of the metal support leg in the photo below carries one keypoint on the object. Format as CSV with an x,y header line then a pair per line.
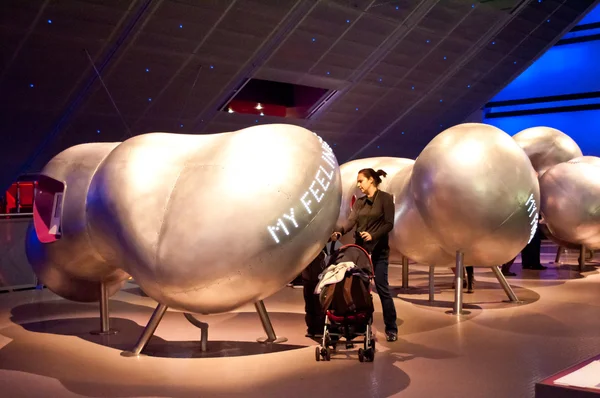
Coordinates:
x,y
581,258
404,272
266,322
504,283
203,326
431,284
558,254
155,319
104,314
458,294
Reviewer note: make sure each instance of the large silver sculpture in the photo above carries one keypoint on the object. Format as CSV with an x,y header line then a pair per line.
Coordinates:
x,y
204,224
472,195
546,147
477,192
209,223
571,201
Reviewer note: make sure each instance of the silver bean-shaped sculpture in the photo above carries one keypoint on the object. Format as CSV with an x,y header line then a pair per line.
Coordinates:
x,y
570,201
204,223
477,192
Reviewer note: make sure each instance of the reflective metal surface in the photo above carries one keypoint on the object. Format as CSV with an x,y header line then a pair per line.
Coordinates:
x,y
477,192
457,308
504,283
208,223
571,201
71,266
267,325
203,223
546,147
411,236
148,332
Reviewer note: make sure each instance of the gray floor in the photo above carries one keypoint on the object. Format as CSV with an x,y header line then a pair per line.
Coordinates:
x,y
498,350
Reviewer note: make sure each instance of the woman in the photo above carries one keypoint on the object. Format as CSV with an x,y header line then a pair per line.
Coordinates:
x,y
373,217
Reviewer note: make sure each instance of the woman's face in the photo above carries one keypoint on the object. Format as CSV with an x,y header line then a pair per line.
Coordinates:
x,y
363,183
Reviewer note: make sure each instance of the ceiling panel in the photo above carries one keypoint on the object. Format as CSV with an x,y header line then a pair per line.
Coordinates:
x,y
168,65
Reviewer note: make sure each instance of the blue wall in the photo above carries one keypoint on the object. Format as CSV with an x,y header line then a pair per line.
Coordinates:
x,y
566,69
583,126
562,70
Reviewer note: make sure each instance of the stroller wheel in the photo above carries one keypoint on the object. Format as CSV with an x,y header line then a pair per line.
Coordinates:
x,y
318,353
370,355
361,355
328,354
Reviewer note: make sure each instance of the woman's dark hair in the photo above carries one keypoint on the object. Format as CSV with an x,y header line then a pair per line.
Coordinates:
x,y
375,174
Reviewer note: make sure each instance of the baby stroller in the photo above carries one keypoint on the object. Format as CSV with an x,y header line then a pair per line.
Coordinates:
x,y
345,296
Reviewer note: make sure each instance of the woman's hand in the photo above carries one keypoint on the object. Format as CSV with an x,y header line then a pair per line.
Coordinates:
x,y
366,236
335,236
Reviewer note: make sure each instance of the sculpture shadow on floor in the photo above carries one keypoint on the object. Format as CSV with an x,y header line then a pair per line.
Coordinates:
x,y
100,373
129,331
487,295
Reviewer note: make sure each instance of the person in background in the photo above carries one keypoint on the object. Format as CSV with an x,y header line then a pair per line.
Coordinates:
x,y
530,255
373,217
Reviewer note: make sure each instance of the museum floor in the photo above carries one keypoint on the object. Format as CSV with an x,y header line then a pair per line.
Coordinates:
x,y
498,350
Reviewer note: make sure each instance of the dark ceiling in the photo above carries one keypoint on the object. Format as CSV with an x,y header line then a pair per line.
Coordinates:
x,y
403,70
